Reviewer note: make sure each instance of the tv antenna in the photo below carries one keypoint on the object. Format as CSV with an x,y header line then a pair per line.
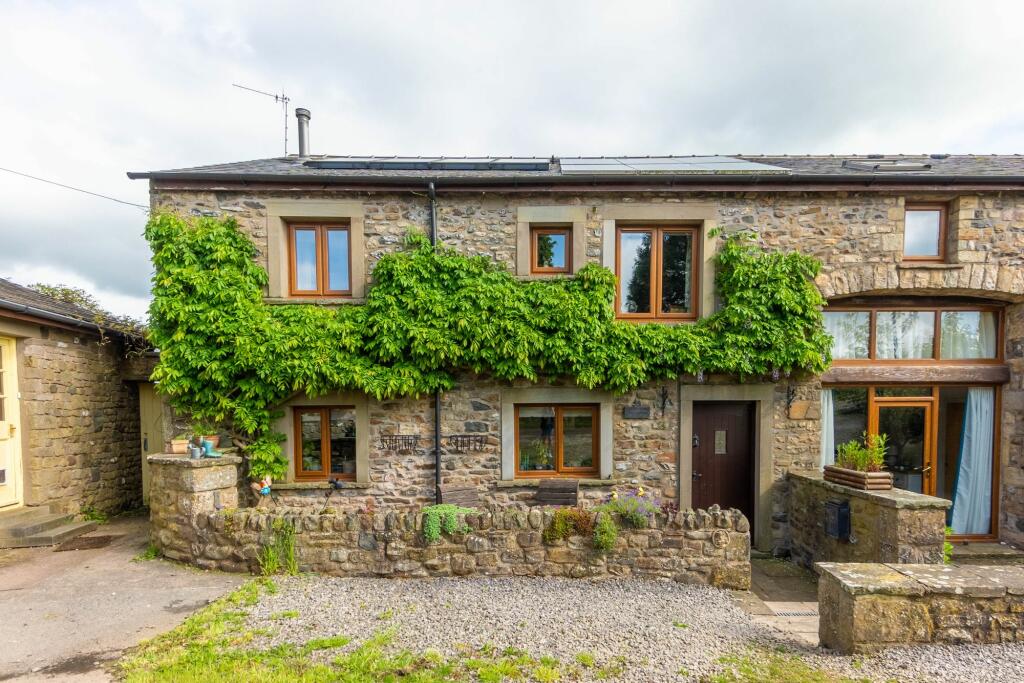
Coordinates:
x,y
282,98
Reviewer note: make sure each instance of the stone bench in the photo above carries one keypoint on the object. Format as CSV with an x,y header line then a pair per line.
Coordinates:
x,y
865,607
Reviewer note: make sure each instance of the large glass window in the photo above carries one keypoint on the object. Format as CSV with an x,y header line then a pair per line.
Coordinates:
x,y
968,334
556,440
325,442
320,264
657,270
925,232
904,334
939,334
851,333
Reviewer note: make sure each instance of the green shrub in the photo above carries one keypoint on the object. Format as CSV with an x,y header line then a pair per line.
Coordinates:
x,y
227,357
866,456
279,553
605,532
568,522
444,517
947,547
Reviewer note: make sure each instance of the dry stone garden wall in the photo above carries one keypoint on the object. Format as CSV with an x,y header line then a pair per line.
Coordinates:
x,y
865,607
196,519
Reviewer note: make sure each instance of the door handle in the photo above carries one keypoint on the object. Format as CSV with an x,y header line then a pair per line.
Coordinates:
x,y
696,476
696,441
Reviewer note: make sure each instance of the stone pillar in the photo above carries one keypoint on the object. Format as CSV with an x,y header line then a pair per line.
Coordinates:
x,y
181,491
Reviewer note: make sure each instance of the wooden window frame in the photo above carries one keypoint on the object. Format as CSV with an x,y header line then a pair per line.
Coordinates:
x,y
658,232
325,473
321,230
535,232
943,210
935,359
560,471
929,483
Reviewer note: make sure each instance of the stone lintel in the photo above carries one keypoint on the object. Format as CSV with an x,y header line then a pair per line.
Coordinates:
x,y
534,483
894,498
314,485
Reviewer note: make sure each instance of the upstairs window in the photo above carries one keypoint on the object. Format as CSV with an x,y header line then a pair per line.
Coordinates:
x,y
914,335
656,268
320,260
550,249
924,236
325,442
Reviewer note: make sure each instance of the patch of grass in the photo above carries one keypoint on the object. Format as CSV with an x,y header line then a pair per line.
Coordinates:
x,y
215,645
586,660
679,624
91,514
613,669
763,666
286,614
386,615
150,553
279,553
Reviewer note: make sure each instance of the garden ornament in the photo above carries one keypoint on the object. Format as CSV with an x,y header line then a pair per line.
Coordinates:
x,y
262,487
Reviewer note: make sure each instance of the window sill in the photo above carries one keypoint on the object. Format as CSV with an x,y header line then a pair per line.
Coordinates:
x,y
544,276
314,300
314,485
928,265
534,482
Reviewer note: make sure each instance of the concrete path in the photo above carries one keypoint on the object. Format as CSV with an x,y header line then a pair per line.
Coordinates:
x,y
66,615
785,596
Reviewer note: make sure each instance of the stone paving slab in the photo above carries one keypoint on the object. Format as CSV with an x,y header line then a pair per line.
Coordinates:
x,y
951,580
863,578
1010,577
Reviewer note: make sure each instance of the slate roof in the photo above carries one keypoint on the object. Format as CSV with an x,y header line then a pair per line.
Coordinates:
x,y
927,168
14,297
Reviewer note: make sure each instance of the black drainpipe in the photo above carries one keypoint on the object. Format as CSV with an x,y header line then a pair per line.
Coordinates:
x,y
437,392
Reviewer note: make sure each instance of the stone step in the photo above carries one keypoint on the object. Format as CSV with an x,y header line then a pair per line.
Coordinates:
x,y
54,535
986,554
19,515
33,525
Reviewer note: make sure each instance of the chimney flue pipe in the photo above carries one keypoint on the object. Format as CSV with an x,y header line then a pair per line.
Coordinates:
x,y
303,116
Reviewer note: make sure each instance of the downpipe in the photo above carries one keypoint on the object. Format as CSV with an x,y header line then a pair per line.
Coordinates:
x,y
432,194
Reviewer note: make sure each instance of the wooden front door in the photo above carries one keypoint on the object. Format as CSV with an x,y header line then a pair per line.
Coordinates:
x,y
10,437
723,456
151,420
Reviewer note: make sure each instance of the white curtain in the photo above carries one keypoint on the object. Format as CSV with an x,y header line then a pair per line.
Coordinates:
x,y
972,497
968,334
828,428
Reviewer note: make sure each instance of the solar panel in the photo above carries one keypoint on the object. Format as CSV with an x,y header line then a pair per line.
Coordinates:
x,y
678,165
433,163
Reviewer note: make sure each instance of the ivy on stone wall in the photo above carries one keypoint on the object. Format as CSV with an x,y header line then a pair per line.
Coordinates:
x,y
226,355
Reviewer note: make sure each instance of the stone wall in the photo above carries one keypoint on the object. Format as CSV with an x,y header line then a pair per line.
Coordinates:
x,y
195,519
857,235
80,421
886,526
866,607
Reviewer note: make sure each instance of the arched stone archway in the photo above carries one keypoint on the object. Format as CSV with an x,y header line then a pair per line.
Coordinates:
x,y
987,280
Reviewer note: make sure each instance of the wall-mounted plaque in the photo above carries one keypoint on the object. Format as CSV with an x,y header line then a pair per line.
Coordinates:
x,y
399,442
462,443
637,411
719,442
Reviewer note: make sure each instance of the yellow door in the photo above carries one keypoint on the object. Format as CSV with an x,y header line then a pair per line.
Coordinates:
x,y
10,436
151,419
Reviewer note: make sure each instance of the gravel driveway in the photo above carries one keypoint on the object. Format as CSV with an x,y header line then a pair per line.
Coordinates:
x,y
660,628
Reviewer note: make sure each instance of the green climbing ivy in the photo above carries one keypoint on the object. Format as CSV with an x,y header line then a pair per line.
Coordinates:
x,y
227,356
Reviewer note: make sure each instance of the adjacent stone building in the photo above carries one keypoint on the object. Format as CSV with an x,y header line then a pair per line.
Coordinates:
x,y
921,269
69,408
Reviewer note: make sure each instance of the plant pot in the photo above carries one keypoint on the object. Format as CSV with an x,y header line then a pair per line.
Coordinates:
x,y
855,479
179,446
213,439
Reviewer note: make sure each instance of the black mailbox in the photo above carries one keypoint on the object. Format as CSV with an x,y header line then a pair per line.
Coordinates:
x,y
837,519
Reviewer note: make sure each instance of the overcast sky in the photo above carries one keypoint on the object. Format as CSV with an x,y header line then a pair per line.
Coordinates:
x,y
91,90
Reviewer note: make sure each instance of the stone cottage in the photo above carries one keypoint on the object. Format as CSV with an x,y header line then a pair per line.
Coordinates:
x,y
69,417
922,272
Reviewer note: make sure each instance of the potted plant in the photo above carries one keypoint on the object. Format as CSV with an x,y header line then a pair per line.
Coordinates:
x,y
208,432
859,465
179,444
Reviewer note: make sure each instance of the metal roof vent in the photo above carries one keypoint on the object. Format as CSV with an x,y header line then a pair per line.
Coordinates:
x,y
303,117
886,165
